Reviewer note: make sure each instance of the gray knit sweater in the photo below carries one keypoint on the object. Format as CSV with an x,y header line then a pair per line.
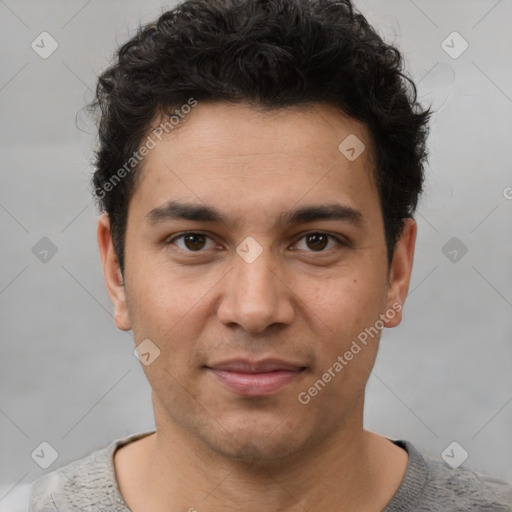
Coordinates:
x,y
89,485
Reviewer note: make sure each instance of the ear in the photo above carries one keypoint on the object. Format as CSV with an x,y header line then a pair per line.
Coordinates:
x,y
112,274
400,273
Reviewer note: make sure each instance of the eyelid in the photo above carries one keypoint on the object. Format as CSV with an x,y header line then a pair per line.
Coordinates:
x,y
177,236
340,240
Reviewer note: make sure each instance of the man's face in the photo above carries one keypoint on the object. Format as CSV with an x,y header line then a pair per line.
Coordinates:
x,y
249,311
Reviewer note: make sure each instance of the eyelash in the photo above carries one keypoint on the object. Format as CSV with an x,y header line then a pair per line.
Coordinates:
x,y
186,233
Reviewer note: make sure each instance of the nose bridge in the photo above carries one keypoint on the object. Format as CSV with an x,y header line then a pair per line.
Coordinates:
x,y
252,263
255,297
255,278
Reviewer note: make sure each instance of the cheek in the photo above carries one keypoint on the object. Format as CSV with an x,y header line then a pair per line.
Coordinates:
x,y
344,310
174,327
168,310
163,294
344,304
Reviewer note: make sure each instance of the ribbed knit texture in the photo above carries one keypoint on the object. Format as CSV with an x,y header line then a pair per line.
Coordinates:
x,y
429,485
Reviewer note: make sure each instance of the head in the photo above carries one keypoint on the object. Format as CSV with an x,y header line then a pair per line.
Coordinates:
x,y
286,137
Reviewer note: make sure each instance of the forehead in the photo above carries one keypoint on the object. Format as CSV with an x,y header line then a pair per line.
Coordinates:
x,y
236,155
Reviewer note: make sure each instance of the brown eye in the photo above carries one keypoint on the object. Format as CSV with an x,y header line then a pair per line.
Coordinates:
x,y
317,241
192,242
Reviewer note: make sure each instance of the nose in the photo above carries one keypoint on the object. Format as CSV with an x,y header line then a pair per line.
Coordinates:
x,y
255,296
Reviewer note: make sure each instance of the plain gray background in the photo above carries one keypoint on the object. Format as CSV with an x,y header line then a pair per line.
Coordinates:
x,y
69,377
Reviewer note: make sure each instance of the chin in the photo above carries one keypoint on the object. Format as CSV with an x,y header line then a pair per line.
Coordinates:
x,y
260,444
259,453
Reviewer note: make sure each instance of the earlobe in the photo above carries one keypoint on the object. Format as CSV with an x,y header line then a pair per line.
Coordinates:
x,y
112,274
400,273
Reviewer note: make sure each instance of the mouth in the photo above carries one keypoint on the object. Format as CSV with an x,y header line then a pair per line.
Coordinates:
x,y
250,378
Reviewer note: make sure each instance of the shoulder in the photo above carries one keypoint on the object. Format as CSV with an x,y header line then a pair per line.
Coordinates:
x,y
87,484
465,489
441,487
75,486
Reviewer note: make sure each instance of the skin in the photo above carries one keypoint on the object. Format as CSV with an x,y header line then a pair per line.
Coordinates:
x,y
215,450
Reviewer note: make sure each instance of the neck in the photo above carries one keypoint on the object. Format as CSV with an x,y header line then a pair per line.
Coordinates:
x,y
352,470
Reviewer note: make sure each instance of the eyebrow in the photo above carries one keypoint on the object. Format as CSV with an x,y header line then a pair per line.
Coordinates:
x,y
173,210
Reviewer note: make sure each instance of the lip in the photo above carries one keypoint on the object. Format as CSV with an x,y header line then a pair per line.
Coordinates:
x,y
255,378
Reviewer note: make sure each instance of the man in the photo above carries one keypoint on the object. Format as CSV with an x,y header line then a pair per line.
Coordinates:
x,y
258,169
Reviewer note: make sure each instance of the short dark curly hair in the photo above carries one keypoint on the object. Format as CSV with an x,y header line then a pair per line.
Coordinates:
x,y
272,54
